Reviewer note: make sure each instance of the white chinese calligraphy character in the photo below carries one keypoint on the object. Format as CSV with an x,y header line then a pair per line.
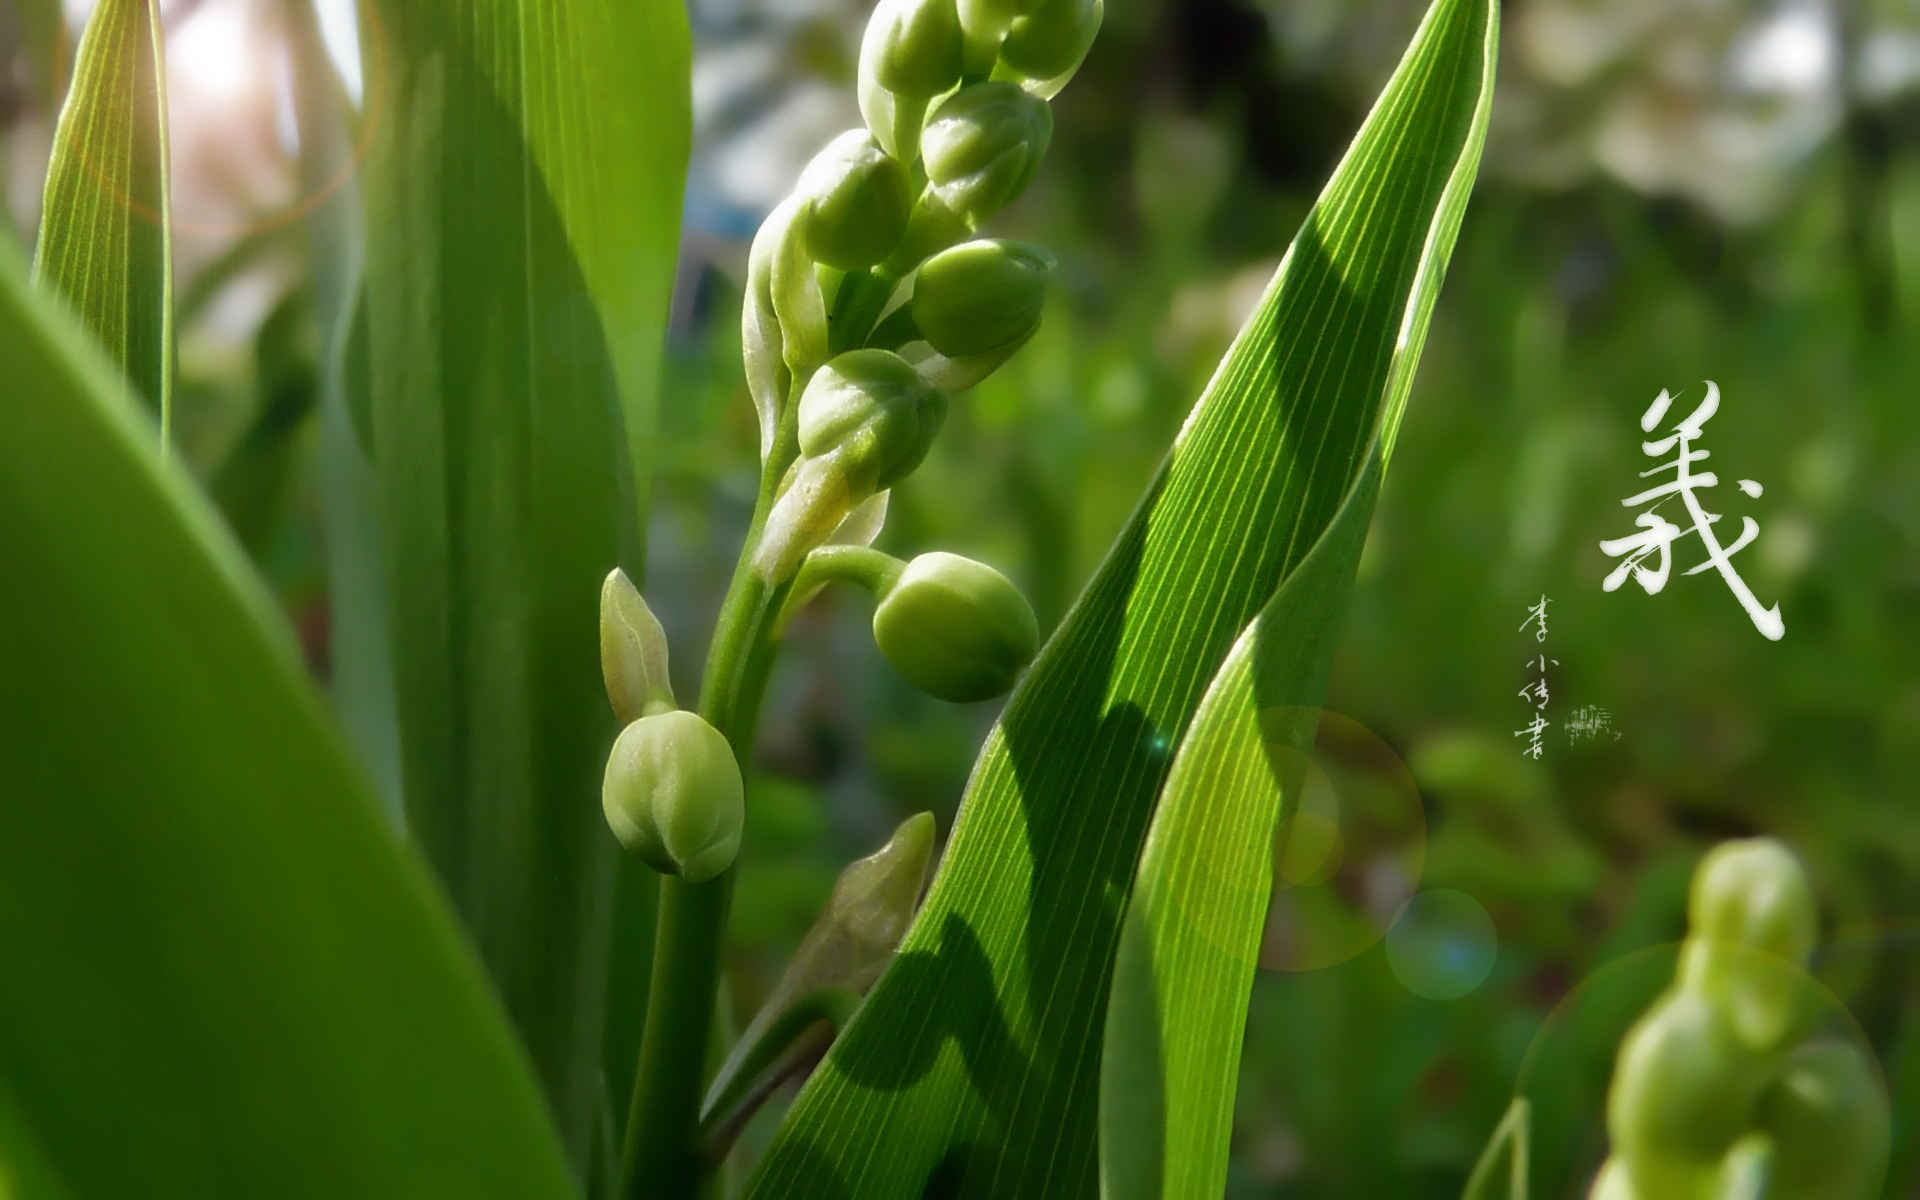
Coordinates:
x,y
1534,730
1538,613
1661,533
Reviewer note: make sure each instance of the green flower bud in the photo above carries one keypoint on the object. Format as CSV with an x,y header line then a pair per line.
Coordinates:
x,y
981,296
1754,893
912,47
870,409
1683,1092
633,652
911,54
956,629
983,145
1042,51
866,420
1828,1119
858,200
1751,925
985,23
673,795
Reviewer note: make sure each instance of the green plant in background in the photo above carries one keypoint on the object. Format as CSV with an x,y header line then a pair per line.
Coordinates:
x,y
225,979
1719,1091
1731,1086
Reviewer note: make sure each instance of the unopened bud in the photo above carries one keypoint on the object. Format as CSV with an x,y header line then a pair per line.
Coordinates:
x,y
633,652
1751,925
673,795
870,409
981,296
1754,893
956,629
983,145
867,419
1042,51
985,23
1683,1091
912,47
1829,1123
911,54
858,199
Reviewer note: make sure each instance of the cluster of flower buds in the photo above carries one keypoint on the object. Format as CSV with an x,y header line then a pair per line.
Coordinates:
x,y
672,791
867,303
1720,1091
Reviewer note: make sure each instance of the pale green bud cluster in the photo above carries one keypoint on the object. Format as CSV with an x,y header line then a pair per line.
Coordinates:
x,y
672,792
957,90
1718,1091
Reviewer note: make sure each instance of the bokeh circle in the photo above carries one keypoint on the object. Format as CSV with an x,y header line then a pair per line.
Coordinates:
x,y
1349,853
1442,944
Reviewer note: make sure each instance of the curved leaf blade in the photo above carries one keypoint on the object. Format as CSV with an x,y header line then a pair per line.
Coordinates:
x,y
219,975
1501,1172
522,197
973,1069
1191,937
104,242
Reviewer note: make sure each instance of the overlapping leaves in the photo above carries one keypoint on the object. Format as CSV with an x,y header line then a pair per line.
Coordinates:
x,y
1193,927
220,977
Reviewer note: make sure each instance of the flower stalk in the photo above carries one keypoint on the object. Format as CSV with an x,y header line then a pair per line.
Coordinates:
x,y
851,380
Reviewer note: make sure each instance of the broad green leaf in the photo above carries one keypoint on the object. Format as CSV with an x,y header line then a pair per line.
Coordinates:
x,y
24,1171
1501,1173
1191,938
220,976
522,200
974,1067
104,241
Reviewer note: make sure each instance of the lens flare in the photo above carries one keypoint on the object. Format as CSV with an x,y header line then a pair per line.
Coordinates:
x,y
1349,851
1442,944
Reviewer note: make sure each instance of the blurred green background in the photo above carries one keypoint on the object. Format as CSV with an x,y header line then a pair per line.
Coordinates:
x,y
1674,191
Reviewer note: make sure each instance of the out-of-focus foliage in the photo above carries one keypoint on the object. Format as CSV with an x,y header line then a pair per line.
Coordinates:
x,y
1673,192
258,993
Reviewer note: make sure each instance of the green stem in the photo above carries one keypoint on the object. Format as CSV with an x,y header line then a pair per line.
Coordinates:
x,y
660,1158
871,569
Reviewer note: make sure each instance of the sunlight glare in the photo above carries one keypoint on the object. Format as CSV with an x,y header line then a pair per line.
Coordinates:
x,y
212,51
